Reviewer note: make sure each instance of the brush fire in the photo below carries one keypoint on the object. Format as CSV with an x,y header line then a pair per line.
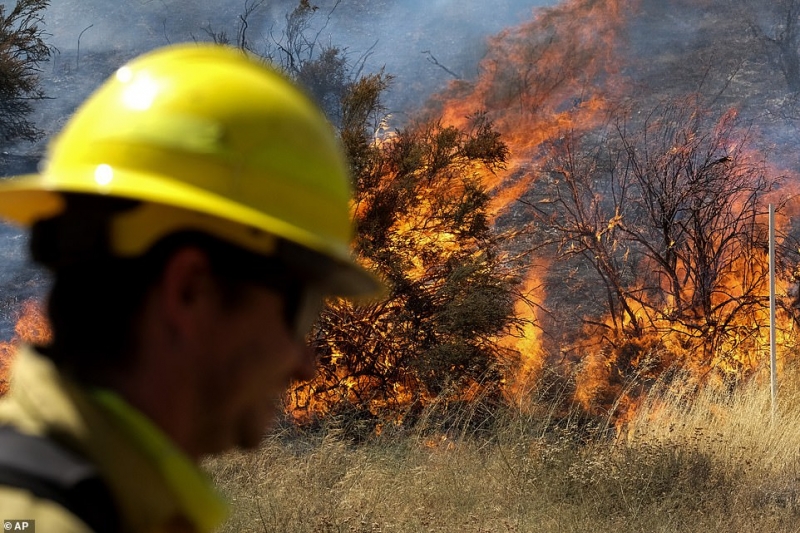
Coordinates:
x,y
590,210
632,211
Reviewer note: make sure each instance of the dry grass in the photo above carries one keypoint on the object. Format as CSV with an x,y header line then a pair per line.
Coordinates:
x,y
710,462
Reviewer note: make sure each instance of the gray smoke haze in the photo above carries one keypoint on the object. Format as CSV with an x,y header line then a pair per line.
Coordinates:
x,y
96,36
401,29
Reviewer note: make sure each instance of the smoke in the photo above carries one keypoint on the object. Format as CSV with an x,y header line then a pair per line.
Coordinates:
x,y
423,44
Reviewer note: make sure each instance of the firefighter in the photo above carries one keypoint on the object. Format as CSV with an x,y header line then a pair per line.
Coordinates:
x,y
194,213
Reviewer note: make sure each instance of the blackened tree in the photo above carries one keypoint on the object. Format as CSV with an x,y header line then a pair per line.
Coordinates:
x,y
668,212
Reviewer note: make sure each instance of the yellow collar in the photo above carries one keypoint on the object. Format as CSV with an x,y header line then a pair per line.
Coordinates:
x,y
201,503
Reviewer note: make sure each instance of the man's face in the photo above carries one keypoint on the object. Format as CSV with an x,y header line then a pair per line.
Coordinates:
x,y
215,357
253,356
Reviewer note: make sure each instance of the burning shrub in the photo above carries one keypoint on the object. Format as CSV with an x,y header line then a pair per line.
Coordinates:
x,y
422,223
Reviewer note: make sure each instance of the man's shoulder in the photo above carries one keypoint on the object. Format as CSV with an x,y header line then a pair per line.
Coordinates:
x,y
21,505
42,472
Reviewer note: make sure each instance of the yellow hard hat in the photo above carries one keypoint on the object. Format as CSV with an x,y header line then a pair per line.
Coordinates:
x,y
208,139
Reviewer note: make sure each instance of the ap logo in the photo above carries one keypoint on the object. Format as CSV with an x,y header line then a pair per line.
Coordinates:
x,y
29,526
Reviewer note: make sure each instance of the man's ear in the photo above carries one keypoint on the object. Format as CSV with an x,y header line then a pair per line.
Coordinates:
x,y
187,292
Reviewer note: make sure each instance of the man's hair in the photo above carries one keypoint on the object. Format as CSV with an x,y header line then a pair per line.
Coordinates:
x,y
97,298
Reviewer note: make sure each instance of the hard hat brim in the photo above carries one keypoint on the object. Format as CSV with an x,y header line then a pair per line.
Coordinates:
x,y
28,198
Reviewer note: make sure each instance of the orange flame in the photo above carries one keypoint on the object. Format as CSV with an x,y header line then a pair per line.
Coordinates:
x,y
32,327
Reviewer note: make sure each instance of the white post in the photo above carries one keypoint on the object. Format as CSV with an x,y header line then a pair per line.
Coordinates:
x,y
772,358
